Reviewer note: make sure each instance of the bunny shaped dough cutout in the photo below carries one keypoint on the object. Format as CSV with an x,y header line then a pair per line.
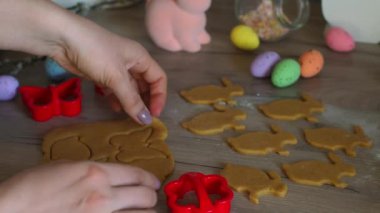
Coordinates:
x,y
317,173
334,138
214,122
212,94
176,25
292,109
262,143
254,181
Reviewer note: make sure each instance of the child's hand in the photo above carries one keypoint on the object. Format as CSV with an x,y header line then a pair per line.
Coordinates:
x,y
83,187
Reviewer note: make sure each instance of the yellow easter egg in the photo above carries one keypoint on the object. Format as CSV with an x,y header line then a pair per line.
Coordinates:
x,y
244,38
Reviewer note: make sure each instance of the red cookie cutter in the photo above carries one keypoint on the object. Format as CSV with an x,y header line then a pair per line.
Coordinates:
x,y
203,185
44,103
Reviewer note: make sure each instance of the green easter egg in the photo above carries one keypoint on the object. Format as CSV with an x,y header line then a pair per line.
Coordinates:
x,y
286,73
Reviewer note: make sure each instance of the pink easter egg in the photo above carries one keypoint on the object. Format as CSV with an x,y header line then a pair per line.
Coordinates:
x,y
339,40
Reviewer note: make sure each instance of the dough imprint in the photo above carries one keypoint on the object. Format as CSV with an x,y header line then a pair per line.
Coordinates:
x,y
121,141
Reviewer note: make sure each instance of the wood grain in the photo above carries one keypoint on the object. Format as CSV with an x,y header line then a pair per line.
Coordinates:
x,y
349,85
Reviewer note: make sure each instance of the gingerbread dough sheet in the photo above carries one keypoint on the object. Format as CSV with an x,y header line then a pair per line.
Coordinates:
x,y
211,94
214,122
262,143
256,182
292,109
334,139
113,141
317,173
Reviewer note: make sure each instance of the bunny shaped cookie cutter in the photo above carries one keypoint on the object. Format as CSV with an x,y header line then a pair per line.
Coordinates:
x,y
203,185
44,103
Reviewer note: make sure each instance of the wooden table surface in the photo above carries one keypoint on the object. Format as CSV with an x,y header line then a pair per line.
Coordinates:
x,y
349,86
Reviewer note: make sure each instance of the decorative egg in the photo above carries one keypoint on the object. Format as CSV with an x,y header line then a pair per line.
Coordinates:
x,y
285,73
8,87
244,37
54,71
339,40
262,66
311,63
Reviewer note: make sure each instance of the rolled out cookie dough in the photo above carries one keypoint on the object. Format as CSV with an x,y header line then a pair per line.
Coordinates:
x,y
293,109
262,143
211,94
317,173
334,139
256,182
113,141
214,122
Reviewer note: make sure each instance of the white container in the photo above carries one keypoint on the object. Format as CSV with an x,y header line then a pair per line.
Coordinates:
x,y
361,18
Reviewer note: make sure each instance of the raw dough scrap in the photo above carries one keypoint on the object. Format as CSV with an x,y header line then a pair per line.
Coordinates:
x,y
211,94
334,138
262,143
254,181
113,141
292,109
317,173
214,122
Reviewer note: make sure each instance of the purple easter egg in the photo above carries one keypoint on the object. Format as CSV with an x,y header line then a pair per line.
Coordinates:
x,y
8,87
262,66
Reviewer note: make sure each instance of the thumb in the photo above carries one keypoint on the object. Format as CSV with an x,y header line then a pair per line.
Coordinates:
x,y
131,101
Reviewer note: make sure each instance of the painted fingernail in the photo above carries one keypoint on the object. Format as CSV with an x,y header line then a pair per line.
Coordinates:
x,y
145,117
158,185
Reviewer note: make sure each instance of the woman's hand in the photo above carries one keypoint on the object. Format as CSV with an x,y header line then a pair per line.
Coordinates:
x,y
122,66
79,187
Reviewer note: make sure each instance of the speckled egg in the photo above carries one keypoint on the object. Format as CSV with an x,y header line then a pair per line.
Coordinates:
x,y
54,71
311,63
285,73
244,37
8,87
339,40
262,66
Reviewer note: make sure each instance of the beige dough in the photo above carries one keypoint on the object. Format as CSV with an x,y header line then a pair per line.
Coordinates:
x,y
256,182
214,122
292,109
113,141
317,173
262,143
334,138
211,94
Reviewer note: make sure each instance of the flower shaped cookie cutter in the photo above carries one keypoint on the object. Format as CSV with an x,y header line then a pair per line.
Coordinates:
x,y
204,186
44,103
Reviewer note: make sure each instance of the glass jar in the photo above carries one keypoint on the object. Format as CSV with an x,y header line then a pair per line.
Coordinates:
x,y
272,19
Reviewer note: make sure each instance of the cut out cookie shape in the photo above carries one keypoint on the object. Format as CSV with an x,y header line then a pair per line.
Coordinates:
x,y
211,94
317,173
334,138
214,122
254,181
292,109
113,141
262,143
